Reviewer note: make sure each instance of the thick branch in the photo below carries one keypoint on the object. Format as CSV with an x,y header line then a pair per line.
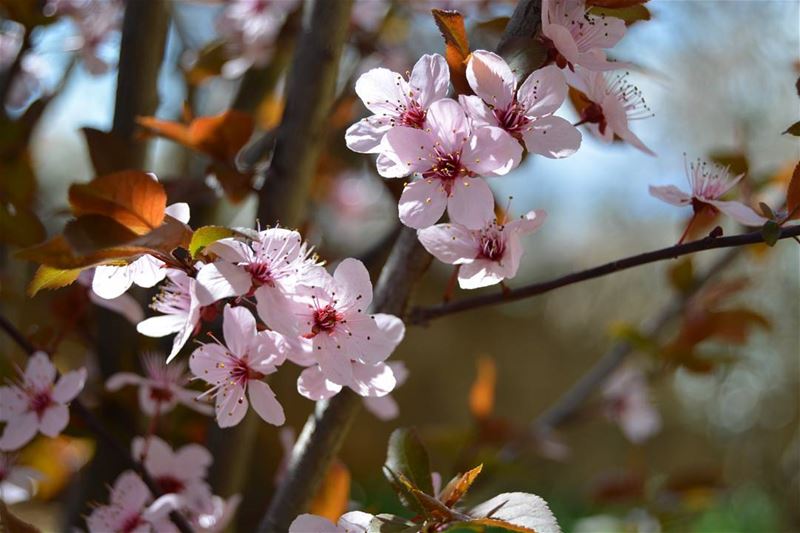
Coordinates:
x,y
97,427
424,314
310,89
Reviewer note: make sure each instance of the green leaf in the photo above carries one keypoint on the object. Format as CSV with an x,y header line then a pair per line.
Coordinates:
x,y
794,129
407,456
51,278
771,232
206,235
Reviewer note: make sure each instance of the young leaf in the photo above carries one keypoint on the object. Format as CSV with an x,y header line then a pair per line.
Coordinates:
x,y
794,129
517,511
458,486
133,198
456,47
793,194
334,493
407,456
481,395
206,235
51,278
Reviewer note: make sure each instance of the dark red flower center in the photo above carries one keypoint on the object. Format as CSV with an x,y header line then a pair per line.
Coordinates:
x,y
492,246
413,116
170,484
160,394
325,319
593,113
512,119
241,371
40,401
447,168
260,273
131,523
554,56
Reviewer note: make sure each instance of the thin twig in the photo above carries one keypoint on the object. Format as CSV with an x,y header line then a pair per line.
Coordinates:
x,y
98,429
421,315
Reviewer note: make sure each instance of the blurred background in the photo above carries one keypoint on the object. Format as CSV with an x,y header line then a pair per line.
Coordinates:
x,y
719,77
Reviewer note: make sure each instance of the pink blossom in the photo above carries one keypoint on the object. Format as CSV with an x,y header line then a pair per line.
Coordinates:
x,y
614,103
486,256
708,184
627,402
96,21
128,509
146,271
449,154
396,102
352,522
17,483
527,113
250,28
348,344
162,388
575,37
184,303
38,402
239,367
385,407
269,268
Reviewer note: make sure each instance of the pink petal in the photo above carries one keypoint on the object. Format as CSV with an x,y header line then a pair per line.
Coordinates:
x,y
356,288
150,405
491,152
189,398
220,280
276,310
181,339
210,363
232,250
231,405
264,402
410,149
147,271
481,273
382,91
528,223
129,491
448,124
161,326
178,211
543,91
400,371
449,243
596,60
355,522
389,168
552,137
491,78
267,351
111,281
373,380
670,194
54,419
739,212
471,203
238,328
366,341
422,203
309,523
313,385
192,460
69,385
617,118
365,136
40,372
333,356
613,31
431,77
13,402
384,408
19,431
563,41
477,111
392,328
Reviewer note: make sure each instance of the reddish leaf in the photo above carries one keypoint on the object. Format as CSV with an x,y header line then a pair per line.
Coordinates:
x,y
108,152
132,198
51,278
793,194
458,486
481,395
456,47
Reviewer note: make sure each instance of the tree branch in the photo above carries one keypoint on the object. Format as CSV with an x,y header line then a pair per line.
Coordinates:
x,y
97,427
421,315
310,89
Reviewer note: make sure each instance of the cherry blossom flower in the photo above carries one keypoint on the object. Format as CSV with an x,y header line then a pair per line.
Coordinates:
x,y
249,28
17,483
352,522
162,388
269,268
181,473
348,344
627,402
613,104
708,184
184,305
574,37
486,256
385,407
239,367
124,304
96,21
396,102
128,509
146,271
38,403
449,153
527,113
